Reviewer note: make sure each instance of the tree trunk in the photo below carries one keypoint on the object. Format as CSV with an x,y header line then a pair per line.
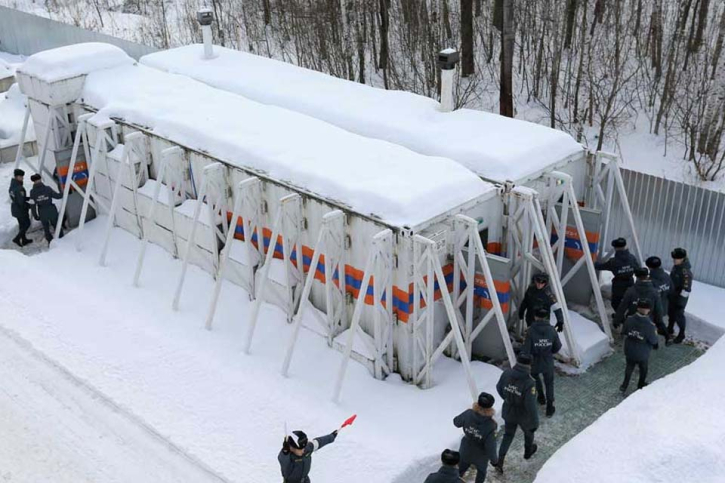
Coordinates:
x,y
467,58
506,101
570,17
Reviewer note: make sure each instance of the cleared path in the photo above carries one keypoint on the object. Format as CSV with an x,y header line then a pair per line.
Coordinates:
x,y
56,428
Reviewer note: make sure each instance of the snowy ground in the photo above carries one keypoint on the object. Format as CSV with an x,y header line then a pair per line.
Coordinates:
x,y
196,388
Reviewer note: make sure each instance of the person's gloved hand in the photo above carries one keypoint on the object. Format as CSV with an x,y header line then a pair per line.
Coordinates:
x,y
560,326
285,446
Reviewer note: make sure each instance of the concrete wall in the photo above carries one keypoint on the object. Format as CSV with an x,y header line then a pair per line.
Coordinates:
x,y
25,34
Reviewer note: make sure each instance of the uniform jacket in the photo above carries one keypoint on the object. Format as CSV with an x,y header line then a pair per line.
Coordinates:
x,y
662,283
622,265
478,445
640,338
642,289
43,197
295,469
681,276
18,199
536,298
446,474
518,391
541,343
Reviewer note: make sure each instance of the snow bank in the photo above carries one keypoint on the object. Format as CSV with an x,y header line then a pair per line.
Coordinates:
x,y
494,147
12,112
371,177
671,432
196,388
705,321
73,60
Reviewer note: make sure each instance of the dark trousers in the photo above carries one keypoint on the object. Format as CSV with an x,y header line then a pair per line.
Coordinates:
x,y
677,316
618,291
643,366
23,226
508,437
47,221
480,470
548,382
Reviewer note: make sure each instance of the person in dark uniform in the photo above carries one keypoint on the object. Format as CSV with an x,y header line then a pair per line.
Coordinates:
x,y
640,339
43,207
478,445
19,207
448,472
518,391
541,343
539,294
681,275
295,458
660,279
642,289
622,265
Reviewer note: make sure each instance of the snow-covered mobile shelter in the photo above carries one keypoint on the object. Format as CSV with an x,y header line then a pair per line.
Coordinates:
x,y
572,189
384,242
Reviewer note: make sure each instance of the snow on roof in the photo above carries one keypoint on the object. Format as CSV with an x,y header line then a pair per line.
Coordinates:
x,y
370,176
494,147
73,60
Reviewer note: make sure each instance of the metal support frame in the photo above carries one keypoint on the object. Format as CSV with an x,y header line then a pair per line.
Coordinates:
x,y
288,217
426,271
467,250
58,126
605,180
213,195
526,226
134,146
331,245
105,135
171,176
248,206
562,188
379,273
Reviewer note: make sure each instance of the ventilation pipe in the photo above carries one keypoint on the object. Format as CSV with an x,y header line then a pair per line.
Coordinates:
x,y
447,60
205,17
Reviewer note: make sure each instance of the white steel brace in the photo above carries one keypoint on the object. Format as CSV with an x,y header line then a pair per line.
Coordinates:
x,y
606,179
526,227
288,223
379,273
426,271
134,147
171,176
331,245
248,206
564,189
213,195
57,123
467,249
105,135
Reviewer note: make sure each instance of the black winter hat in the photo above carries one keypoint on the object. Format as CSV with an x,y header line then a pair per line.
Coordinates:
x,y
450,457
524,359
297,440
641,272
541,278
541,313
679,253
653,262
35,177
18,172
619,243
644,304
485,400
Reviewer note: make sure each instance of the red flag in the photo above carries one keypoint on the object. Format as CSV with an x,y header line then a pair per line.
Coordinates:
x,y
349,421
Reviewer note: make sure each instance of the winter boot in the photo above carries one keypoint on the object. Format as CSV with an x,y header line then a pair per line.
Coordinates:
x,y
550,410
668,340
17,241
529,453
541,398
680,337
643,385
26,241
622,388
499,466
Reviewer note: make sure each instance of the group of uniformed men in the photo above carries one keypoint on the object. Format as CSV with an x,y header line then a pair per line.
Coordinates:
x,y
640,306
39,203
